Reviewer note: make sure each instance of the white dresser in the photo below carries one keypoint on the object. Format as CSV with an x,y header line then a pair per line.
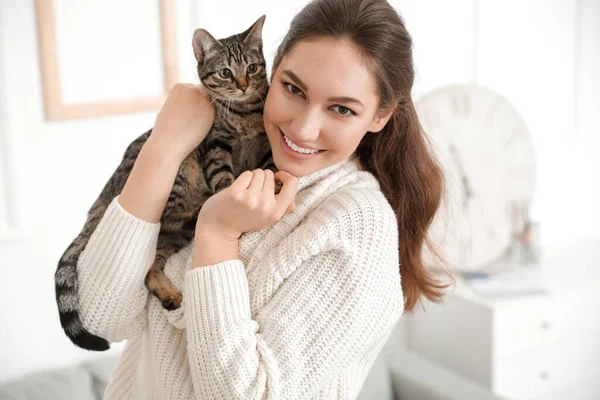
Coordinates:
x,y
536,346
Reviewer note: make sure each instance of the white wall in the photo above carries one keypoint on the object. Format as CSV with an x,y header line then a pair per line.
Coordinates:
x,y
58,169
543,56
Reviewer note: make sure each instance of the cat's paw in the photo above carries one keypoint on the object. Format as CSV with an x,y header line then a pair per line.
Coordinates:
x,y
224,183
278,186
172,301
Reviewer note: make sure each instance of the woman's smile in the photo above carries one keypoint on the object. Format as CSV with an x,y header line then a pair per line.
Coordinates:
x,y
293,152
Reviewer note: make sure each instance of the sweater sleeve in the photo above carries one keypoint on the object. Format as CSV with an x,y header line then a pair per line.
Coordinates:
x,y
111,273
338,307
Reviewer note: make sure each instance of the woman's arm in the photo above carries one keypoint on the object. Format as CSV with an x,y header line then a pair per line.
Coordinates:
x,y
114,264
150,182
181,125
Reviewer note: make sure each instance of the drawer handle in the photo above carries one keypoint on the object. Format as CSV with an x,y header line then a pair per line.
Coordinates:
x,y
545,375
545,325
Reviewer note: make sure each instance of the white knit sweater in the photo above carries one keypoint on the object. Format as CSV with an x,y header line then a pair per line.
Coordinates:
x,y
302,314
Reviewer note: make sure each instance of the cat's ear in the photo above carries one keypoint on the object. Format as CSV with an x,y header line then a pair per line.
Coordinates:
x,y
203,43
253,36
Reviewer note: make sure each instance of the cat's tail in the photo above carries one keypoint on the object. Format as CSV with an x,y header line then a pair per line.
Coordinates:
x,y
65,279
66,288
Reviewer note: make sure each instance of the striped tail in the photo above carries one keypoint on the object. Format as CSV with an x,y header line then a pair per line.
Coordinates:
x,y
66,288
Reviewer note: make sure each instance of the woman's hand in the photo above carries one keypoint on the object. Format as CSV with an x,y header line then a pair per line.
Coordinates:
x,y
248,204
183,121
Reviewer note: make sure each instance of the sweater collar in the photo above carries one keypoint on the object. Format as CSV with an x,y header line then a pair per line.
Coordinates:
x,y
345,166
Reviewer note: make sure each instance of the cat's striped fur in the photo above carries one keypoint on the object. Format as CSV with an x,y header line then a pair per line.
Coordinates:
x,y
237,142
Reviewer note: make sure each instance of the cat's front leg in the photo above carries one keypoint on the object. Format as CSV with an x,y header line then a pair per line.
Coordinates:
x,y
171,239
217,165
160,285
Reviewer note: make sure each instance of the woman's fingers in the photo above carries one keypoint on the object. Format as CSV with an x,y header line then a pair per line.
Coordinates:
x,y
260,184
288,192
243,181
257,181
269,184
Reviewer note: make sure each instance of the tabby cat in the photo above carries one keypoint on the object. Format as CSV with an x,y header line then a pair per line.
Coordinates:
x,y
232,71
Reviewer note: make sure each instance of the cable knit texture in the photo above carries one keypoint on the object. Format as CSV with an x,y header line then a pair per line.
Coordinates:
x,y
302,314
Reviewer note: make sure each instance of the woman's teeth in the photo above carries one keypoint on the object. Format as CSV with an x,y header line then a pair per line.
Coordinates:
x,y
298,149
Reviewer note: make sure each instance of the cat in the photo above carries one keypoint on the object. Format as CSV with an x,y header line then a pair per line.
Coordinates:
x,y
233,72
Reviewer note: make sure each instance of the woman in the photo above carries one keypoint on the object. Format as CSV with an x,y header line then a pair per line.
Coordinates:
x,y
291,295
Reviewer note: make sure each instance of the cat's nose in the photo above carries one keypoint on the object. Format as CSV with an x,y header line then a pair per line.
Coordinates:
x,y
242,84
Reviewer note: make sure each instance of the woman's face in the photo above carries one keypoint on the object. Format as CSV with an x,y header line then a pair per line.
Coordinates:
x,y
321,97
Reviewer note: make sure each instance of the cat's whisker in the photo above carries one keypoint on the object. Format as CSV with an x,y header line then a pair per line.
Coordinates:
x,y
229,107
226,105
222,104
262,97
212,101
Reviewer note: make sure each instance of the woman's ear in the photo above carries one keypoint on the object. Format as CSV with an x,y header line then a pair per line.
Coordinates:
x,y
380,120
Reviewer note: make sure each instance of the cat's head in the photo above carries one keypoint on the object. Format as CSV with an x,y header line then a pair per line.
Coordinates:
x,y
232,68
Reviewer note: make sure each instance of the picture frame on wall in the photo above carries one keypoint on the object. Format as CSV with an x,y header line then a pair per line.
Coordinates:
x,y
56,108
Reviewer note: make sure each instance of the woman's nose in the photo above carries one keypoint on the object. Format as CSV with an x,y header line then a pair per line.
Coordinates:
x,y
306,125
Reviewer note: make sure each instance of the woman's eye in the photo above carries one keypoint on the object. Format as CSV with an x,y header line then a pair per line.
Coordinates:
x,y
251,68
225,73
344,111
293,89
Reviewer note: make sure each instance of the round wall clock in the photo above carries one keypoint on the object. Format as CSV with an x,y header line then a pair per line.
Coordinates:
x,y
488,160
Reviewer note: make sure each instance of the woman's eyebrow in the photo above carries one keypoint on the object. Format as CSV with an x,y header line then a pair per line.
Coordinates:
x,y
342,99
296,80
345,99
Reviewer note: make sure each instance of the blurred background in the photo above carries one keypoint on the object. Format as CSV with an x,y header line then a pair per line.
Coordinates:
x,y
79,80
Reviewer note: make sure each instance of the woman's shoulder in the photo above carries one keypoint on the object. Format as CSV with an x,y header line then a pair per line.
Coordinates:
x,y
361,200
356,223
351,213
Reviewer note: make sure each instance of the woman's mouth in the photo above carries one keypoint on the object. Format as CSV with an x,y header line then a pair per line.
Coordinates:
x,y
294,151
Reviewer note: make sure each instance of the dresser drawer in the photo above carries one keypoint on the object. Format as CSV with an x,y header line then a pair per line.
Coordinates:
x,y
542,321
581,391
548,370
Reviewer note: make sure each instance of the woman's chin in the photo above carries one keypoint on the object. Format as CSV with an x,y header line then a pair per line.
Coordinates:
x,y
294,169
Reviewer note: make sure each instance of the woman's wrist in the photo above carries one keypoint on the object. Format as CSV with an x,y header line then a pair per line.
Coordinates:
x,y
212,248
208,227
165,153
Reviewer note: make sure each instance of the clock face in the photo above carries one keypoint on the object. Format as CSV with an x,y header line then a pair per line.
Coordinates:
x,y
488,161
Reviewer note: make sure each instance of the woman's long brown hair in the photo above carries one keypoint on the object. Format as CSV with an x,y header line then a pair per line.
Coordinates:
x,y
399,157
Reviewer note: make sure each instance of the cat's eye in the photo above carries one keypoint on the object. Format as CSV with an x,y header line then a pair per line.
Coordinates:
x,y
252,68
225,73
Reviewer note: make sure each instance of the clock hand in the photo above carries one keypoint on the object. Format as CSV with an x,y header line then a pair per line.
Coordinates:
x,y
467,191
